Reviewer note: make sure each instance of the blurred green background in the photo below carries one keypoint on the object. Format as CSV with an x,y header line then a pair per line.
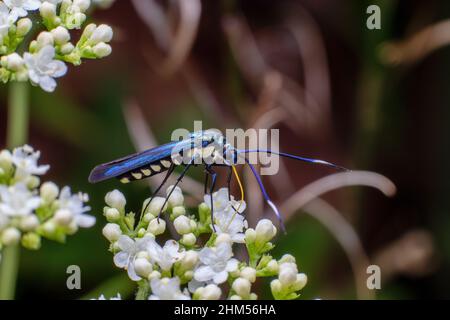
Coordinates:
x,y
367,99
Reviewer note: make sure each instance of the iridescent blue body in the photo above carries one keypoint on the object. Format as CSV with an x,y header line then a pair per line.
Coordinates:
x,y
154,161
208,148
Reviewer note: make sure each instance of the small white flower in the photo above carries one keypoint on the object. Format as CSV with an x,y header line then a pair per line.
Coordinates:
x,y
165,256
43,68
220,200
20,8
228,216
25,159
231,222
5,19
129,250
17,201
217,262
167,289
75,204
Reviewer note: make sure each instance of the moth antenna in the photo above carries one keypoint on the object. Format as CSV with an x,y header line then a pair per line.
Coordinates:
x,y
266,196
291,156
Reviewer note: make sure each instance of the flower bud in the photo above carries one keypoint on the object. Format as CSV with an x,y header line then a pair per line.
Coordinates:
x,y
155,206
148,217
63,217
29,223
32,182
14,62
182,225
49,191
103,33
61,35
276,287
141,232
287,258
250,235
235,297
301,281
189,260
189,239
143,267
5,160
48,10
67,48
112,214
249,274
178,211
83,5
242,287
265,231
156,226
49,228
10,236
154,275
102,50
44,38
116,199
272,266
23,27
112,232
288,273
210,292
31,241
176,198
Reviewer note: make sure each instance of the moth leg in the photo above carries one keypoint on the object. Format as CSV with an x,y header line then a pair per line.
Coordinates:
x,y
211,191
175,185
206,181
169,172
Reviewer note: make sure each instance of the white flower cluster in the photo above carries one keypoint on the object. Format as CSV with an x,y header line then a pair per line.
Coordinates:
x,y
46,56
200,262
29,210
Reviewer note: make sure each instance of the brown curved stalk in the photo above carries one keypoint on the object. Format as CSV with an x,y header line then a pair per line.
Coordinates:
x,y
177,44
349,240
418,46
335,181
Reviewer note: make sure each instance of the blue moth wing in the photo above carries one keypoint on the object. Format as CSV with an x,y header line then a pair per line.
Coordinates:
x,y
133,162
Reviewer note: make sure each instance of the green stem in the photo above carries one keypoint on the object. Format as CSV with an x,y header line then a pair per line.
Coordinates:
x,y
16,136
143,290
18,114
